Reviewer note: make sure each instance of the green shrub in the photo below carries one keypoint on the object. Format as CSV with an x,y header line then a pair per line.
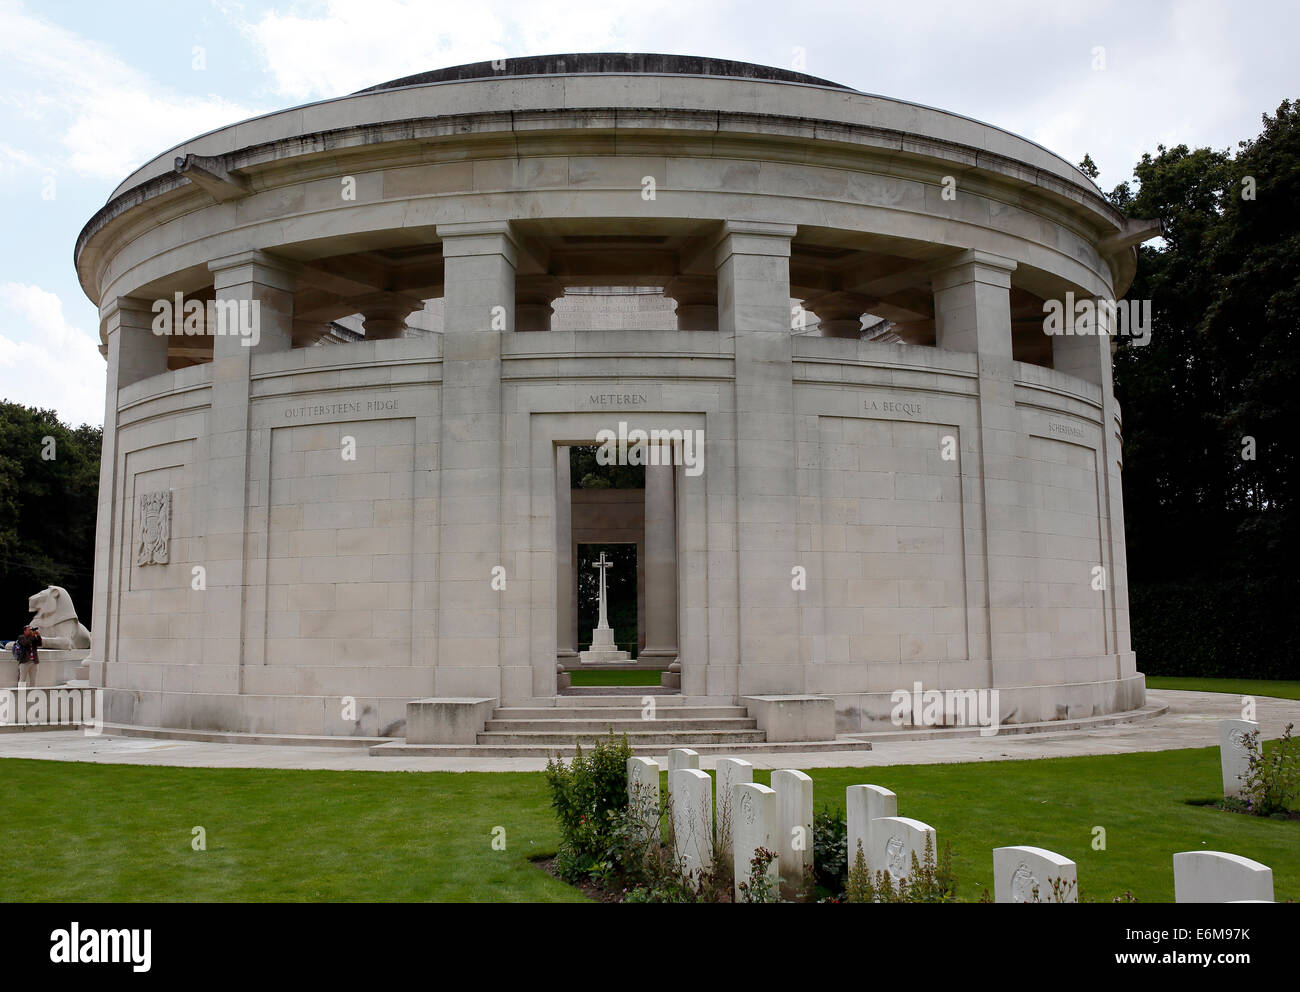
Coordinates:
x,y
830,849
1272,780
589,796
927,881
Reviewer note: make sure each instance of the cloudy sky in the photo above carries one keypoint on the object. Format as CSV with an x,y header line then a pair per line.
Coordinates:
x,y
89,90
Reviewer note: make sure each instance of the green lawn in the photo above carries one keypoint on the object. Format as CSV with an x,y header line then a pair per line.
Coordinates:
x,y
104,833
614,677
1238,687
87,832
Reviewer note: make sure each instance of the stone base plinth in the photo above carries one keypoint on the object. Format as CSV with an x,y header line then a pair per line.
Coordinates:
x,y
656,658
793,718
603,650
452,720
54,668
878,711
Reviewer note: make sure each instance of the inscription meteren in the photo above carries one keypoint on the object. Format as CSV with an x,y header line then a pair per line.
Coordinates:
x,y
617,399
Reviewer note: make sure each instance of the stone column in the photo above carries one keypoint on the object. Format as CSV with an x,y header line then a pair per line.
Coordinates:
x,y
753,263
1089,357
566,650
972,310
839,315
697,302
479,304
533,297
307,332
660,563
134,352
250,285
385,317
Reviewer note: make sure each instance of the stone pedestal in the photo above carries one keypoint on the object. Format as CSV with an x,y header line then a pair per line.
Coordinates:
x,y
603,649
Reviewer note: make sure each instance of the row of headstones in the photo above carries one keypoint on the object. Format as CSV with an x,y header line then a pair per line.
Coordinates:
x,y
780,819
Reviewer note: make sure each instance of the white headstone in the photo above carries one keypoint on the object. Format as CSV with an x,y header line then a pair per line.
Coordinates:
x,y
864,804
730,772
794,813
643,791
681,757
894,839
692,795
1025,874
1214,876
1233,756
754,826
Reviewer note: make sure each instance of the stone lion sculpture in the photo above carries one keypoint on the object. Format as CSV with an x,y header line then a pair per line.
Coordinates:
x,y
53,612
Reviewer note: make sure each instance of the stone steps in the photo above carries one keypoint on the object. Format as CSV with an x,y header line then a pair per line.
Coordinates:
x,y
630,726
629,700
665,738
617,713
677,723
400,749
538,728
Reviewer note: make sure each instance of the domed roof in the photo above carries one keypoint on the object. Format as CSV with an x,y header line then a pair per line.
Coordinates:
x,y
605,62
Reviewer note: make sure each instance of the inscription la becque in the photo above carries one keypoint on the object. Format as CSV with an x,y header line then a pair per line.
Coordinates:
x,y
891,406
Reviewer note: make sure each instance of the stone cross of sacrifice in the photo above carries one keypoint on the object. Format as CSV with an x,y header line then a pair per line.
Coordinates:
x,y
602,564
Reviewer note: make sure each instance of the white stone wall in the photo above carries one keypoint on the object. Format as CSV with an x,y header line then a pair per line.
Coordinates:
x,y
889,531
340,540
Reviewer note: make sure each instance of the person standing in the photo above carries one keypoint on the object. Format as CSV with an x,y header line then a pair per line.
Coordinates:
x,y
28,658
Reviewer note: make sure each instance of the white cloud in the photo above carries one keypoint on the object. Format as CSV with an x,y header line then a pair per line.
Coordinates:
x,y
44,360
352,44
14,159
96,114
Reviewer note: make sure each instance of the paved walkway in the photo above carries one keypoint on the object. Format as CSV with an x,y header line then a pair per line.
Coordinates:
x,y
1190,722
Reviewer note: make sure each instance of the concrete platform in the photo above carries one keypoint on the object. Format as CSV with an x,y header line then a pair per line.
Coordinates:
x,y
1185,720
651,748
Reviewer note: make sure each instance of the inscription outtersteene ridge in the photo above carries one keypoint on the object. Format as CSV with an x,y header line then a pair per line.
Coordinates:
x,y
333,409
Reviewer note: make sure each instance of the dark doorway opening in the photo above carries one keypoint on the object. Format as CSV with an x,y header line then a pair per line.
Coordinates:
x,y
620,591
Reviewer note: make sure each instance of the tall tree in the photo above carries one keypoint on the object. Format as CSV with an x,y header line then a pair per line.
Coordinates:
x,y
1209,405
49,484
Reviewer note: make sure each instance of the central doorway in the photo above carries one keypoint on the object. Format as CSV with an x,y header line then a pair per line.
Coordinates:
x,y
618,510
607,512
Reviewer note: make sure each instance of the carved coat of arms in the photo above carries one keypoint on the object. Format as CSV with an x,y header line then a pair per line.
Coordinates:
x,y
1024,885
155,527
